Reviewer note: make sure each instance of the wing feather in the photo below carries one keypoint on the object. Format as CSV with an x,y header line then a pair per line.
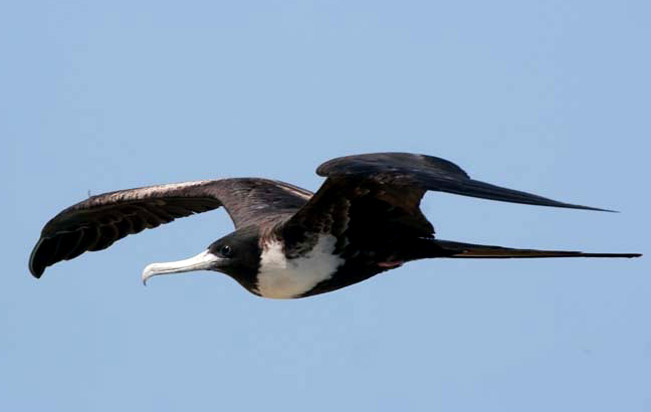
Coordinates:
x,y
369,195
430,173
99,221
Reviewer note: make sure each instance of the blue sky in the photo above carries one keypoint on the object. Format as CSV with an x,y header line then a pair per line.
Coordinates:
x,y
550,97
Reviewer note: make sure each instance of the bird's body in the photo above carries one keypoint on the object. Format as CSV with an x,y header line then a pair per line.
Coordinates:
x,y
289,242
282,277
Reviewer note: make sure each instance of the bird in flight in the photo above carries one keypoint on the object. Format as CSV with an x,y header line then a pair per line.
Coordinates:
x,y
288,242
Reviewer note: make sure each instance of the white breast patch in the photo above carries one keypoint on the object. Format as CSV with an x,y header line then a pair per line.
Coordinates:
x,y
282,278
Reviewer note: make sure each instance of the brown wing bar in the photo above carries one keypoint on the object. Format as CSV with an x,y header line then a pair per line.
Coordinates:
x,y
97,222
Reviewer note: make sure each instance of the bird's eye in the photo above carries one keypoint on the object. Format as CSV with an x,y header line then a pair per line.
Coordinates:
x,y
226,251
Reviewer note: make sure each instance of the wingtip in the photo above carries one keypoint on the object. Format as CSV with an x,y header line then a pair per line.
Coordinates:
x,y
35,268
598,209
36,272
583,207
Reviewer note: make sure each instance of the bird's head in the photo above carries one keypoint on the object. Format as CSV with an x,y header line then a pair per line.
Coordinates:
x,y
236,254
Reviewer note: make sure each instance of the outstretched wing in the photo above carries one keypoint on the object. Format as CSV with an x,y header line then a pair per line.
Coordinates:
x,y
97,222
429,173
378,193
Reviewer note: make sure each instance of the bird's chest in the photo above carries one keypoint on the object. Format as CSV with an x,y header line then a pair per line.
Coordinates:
x,y
283,278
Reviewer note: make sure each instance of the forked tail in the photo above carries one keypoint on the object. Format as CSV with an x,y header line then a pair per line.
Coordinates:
x,y
473,251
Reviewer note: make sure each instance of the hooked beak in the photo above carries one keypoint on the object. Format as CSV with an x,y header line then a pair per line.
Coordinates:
x,y
203,261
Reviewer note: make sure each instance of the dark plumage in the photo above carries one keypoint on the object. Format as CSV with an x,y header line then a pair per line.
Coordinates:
x,y
288,242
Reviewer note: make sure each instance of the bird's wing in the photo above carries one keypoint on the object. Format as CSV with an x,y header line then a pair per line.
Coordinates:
x,y
376,188
429,173
97,222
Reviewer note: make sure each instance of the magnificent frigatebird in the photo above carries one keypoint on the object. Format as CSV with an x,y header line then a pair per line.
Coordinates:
x,y
290,243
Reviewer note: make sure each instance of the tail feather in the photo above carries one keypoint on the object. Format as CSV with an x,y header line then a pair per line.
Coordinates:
x,y
473,251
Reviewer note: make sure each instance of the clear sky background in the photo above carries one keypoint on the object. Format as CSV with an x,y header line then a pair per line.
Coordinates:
x,y
550,97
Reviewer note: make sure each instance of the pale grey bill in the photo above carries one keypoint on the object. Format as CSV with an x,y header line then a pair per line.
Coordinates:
x,y
203,261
